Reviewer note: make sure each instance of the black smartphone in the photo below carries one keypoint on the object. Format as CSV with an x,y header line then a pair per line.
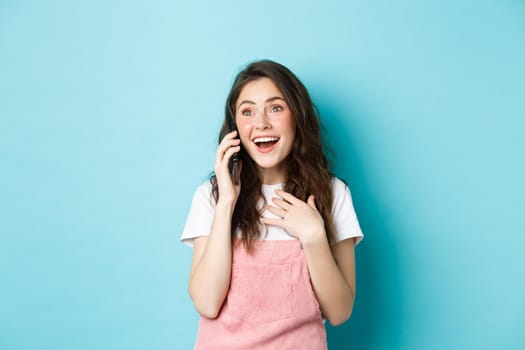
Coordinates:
x,y
234,161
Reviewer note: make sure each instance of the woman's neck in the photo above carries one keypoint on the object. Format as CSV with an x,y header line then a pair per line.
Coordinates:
x,y
273,176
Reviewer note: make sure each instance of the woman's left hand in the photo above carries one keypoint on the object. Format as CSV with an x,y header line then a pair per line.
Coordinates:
x,y
300,219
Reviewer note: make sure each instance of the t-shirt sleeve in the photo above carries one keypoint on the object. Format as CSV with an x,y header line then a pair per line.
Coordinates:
x,y
200,217
345,220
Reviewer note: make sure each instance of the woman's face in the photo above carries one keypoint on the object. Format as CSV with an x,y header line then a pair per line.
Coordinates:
x,y
266,128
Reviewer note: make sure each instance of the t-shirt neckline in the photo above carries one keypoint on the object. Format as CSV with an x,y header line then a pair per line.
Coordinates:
x,y
270,186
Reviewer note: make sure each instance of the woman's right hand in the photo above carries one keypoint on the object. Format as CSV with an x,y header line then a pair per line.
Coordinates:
x,y
228,192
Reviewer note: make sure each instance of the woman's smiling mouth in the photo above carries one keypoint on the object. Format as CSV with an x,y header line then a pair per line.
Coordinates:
x,y
265,144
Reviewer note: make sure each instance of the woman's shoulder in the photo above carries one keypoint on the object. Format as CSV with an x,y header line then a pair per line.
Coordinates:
x,y
205,186
204,191
338,185
340,191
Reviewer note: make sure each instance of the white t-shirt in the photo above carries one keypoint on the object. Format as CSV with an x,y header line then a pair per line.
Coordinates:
x,y
202,210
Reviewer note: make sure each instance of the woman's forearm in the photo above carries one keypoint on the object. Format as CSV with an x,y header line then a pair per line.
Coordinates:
x,y
210,277
334,293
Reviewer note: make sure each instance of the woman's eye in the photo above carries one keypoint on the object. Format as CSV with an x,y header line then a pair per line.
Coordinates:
x,y
247,113
277,108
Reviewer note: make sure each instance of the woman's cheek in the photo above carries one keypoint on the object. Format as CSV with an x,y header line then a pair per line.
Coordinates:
x,y
244,129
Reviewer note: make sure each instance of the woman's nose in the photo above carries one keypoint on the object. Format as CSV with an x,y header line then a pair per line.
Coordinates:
x,y
262,121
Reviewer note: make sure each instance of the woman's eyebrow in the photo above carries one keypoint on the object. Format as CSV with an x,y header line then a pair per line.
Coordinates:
x,y
246,101
271,99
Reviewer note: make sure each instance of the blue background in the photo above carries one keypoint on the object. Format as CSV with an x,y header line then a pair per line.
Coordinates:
x,y
109,113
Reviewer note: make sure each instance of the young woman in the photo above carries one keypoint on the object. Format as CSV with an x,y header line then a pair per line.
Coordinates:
x,y
273,251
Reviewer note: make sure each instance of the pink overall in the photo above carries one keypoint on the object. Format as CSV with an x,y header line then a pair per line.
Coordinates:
x,y
270,304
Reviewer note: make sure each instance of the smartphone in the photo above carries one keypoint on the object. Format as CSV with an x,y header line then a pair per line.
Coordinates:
x,y
234,161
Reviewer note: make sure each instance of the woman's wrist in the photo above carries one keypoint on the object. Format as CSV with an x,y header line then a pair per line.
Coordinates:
x,y
225,206
315,239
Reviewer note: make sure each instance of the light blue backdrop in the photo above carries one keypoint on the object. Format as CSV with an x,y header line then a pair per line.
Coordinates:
x,y
109,113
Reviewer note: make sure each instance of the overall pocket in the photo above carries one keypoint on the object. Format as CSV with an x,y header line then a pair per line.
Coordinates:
x,y
260,293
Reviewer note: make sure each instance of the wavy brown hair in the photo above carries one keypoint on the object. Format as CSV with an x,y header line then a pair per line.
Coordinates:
x,y
307,165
